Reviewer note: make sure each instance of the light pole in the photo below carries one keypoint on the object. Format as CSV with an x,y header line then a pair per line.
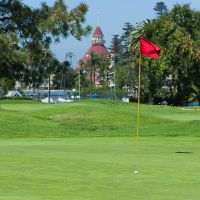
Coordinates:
x,y
114,82
79,84
64,81
90,59
49,88
70,55
90,78
112,65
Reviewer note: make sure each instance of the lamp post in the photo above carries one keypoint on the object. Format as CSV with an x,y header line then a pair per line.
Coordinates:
x,y
79,84
90,59
82,71
114,82
90,79
112,65
70,55
49,89
64,81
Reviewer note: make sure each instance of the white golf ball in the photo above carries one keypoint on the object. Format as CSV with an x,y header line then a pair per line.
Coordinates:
x,y
135,171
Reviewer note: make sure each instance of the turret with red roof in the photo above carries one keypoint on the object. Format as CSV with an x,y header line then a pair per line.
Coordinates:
x,y
97,44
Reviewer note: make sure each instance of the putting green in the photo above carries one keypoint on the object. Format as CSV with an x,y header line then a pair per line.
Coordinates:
x,y
100,168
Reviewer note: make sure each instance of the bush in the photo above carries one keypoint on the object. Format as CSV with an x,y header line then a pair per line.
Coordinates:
x,y
14,98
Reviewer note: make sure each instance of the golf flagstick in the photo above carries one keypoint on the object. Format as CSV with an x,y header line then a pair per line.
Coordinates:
x,y
151,50
138,110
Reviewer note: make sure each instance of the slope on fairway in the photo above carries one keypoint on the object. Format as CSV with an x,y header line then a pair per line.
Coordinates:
x,y
94,118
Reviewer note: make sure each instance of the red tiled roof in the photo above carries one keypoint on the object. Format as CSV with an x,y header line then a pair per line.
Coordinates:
x,y
99,49
98,32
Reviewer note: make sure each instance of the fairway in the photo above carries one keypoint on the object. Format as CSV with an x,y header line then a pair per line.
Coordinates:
x,y
94,118
99,168
87,150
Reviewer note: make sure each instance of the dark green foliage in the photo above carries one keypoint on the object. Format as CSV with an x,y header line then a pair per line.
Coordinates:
x,y
122,59
116,49
14,98
174,76
26,34
160,8
127,28
64,76
6,84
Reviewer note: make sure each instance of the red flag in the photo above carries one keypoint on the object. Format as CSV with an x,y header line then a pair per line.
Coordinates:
x,y
149,49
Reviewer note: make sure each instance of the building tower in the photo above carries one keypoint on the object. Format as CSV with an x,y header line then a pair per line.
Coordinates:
x,y
97,44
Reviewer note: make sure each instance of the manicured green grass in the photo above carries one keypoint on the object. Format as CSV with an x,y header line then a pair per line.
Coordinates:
x,y
87,150
100,168
94,118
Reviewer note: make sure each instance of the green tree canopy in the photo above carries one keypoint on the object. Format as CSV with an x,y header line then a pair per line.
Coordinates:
x,y
160,8
177,33
26,33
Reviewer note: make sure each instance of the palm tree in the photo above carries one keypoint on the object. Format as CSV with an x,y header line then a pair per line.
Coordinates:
x,y
70,55
135,36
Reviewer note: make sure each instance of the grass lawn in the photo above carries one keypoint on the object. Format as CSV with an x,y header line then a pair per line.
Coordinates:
x,y
19,119
86,150
100,168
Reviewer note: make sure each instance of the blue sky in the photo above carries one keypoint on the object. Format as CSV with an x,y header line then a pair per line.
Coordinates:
x,y
113,14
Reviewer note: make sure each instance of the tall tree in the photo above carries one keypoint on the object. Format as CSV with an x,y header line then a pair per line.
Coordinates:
x,y
116,49
177,67
35,29
160,8
64,76
127,28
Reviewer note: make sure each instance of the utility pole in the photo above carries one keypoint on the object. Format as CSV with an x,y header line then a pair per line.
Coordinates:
x,y
114,82
90,62
49,89
114,79
70,55
64,71
90,79
79,84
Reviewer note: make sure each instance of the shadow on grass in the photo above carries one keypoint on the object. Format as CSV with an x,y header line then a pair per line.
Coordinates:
x,y
184,152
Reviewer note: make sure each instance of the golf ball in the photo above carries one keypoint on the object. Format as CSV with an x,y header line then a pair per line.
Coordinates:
x,y
135,171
